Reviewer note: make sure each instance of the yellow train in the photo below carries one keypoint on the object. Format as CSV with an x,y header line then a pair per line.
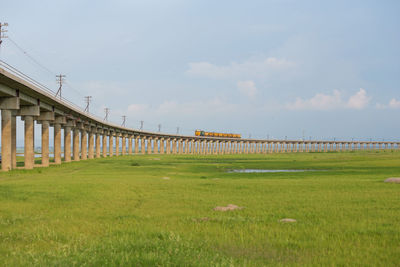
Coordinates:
x,y
213,134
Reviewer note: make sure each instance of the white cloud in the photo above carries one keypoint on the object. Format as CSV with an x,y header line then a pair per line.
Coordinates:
x,y
250,68
328,102
247,88
394,103
318,102
359,101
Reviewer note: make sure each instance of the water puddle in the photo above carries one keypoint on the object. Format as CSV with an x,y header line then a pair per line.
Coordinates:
x,y
268,171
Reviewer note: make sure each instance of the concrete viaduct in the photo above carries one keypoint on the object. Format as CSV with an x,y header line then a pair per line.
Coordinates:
x,y
20,96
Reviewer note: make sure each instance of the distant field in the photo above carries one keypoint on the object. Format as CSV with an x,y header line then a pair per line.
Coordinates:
x,y
159,210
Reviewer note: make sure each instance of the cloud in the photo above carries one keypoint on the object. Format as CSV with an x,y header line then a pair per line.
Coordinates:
x,y
319,102
328,102
250,68
393,104
359,101
247,88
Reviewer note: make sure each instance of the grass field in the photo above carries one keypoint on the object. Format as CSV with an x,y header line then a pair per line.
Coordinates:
x,y
159,210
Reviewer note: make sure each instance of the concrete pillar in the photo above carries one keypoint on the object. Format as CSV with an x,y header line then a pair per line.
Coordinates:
x,y
104,146
13,140
155,146
6,136
84,144
137,145
123,145
57,143
162,146
91,144
76,144
97,140
129,144
67,143
143,145
168,145
117,137
29,143
45,143
111,145
174,146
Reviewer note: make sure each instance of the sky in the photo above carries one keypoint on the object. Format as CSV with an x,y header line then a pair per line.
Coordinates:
x,y
271,68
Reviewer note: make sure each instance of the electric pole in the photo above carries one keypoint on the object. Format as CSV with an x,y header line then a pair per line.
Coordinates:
x,y
88,99
177,130
106,111
141,125
123,121
2,30
159,128
60,79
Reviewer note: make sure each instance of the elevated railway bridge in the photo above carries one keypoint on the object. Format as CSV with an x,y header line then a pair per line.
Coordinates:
x,y
85,135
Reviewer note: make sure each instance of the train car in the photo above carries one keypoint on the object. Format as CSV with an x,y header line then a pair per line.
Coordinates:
x,y
215,134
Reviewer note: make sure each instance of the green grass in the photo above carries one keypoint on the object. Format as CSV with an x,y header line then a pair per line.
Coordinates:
x,y
122,211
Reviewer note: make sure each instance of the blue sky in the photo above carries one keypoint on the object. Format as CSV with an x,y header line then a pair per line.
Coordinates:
x,y
325,69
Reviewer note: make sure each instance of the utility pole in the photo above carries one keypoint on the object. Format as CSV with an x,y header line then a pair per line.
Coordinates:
x,y
60,80
88,99
177,130
267,136
5,24
159,128
141,125
106,111
123,121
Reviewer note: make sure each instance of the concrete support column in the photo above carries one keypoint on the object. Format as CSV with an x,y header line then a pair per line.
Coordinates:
x,y
6,136
117,137
168,146
91,144
137,145
129,145
174,146
180,146
98,151
57,143
123,145
67,144
45,143
155,146
29,153
111,145
143,145
84,144
13,140
162,146
76,144
104,146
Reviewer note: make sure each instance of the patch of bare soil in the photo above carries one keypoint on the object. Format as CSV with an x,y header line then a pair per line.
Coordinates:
x,y
229,207
287,220
393,180
166,178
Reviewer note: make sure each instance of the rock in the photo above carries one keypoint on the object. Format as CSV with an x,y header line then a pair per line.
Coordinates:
x,y
229,207
166,178
287,220
393,180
